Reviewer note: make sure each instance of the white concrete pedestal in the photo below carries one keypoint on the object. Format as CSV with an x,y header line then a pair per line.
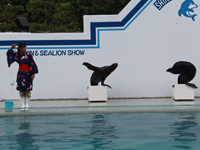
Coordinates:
x,y
97,93
183,92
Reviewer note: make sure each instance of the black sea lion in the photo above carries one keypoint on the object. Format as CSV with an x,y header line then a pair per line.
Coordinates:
x,y
186,70
100,73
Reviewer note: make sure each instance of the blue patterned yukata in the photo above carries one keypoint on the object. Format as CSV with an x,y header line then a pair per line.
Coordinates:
x,y
24,82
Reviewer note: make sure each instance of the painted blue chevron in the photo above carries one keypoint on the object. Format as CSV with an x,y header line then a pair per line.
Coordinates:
x,y
91,43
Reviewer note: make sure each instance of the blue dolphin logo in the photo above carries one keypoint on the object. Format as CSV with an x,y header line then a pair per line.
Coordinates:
x,y
187,8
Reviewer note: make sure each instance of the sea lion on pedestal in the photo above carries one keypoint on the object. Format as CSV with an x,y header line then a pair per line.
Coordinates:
x,y
186,70
100,73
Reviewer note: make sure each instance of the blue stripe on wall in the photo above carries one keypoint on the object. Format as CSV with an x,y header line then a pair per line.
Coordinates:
x,y
93,32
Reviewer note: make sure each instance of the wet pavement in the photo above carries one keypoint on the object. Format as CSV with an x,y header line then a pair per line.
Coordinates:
x,y
79,106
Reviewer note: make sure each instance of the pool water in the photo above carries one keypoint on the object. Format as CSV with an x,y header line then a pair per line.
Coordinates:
x,y
135,131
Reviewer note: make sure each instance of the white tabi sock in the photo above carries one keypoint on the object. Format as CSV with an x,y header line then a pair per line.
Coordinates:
x,y
23,102
27,103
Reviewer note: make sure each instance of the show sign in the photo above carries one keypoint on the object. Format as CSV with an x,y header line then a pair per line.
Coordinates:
x,y
57,52
145,38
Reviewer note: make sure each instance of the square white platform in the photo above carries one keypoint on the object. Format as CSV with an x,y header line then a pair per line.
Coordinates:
x,y
97,93
183,92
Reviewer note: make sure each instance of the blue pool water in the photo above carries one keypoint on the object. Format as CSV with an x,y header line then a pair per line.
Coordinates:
x,y
135,131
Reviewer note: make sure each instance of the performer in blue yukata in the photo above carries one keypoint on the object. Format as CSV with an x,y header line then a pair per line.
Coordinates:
x,y
26,73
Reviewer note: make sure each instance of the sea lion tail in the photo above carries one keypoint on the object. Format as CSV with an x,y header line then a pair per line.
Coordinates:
x,y
89,66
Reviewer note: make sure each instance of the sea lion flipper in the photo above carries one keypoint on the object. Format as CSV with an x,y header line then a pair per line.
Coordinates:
x,y
89,66
192,85
106,85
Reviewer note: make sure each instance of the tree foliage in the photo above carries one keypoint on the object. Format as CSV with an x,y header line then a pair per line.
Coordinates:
x,y
54,15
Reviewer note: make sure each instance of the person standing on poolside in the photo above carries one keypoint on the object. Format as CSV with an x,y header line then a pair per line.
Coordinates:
x,y
26,72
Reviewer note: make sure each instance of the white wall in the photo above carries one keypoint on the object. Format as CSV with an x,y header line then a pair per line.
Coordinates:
x,y
152,43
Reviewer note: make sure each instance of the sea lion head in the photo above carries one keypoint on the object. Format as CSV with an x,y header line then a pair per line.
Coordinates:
x,y
113,66
175,70
169,70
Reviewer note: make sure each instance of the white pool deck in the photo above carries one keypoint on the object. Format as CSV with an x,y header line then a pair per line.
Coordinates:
x,y
124,105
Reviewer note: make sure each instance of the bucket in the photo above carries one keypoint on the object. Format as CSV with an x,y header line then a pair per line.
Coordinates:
x,y
8,106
